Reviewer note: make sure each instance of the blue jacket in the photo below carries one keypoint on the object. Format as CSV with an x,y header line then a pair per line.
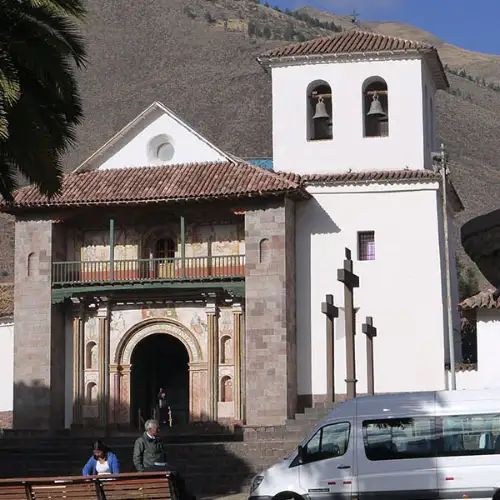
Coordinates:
x,y
89,469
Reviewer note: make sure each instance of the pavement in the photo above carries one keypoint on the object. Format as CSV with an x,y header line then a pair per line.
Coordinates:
x,y
238,496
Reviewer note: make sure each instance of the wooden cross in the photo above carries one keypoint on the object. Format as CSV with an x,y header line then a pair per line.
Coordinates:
x,y
331,312
370,331
350,281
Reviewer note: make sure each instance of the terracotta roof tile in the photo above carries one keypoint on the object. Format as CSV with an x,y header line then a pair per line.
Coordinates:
x,y
373,176
482,300
140,185
383,176
359,42
6,300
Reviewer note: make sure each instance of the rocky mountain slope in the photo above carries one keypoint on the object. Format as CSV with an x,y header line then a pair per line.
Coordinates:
x,y
198,58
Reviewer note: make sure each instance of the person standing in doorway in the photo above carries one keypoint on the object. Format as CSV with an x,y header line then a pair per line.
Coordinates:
x,y
163,408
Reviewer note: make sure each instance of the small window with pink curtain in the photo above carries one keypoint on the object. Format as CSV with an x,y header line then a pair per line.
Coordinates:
x,y
366,245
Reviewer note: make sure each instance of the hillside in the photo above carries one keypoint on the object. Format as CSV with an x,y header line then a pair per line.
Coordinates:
x,y
197,57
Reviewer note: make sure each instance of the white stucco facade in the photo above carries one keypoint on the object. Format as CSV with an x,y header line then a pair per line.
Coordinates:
x,y
6,364
138,143
402,288
410,116
485,374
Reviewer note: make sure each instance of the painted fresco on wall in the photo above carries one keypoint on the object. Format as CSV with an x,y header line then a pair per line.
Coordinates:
x,y
191,317
201,241
226,320
92,328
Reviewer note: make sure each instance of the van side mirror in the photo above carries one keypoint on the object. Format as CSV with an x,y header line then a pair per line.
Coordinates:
x,y
301,453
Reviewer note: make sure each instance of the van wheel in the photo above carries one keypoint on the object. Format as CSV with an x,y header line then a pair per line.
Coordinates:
x,y
288,495
496,495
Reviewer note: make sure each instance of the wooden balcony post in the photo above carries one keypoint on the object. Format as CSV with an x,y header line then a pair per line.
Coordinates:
x,y
111,249
183,247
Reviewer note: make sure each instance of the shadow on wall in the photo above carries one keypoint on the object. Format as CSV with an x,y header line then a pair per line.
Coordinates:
x,y
312,220
32,405
213,459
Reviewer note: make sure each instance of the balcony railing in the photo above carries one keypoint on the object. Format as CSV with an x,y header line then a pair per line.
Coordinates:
x,y
149,270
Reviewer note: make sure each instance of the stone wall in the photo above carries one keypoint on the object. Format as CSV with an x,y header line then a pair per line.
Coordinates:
x,y
34,344
5,420
271,380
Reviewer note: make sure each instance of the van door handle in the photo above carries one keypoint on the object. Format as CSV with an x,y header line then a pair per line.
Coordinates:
x,y
343,466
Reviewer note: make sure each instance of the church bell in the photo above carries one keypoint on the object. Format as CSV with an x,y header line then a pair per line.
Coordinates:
x,y
376,108
321,112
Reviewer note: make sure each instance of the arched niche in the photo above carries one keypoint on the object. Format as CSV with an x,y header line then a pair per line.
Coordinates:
x,y
226,349
226,389
31,264
264,251
319,111
91,356
91,393
375,107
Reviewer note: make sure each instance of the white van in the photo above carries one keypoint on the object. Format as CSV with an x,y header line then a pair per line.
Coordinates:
x,y
415,446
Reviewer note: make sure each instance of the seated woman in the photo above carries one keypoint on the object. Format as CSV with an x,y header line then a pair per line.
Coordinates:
x,y
103,461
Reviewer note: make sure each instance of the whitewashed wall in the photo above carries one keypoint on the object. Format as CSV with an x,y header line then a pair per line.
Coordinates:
x,y
6,364
401,289
488,354
404,147
188,145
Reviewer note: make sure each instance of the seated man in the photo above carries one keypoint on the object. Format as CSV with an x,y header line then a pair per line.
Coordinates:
x,y
150,456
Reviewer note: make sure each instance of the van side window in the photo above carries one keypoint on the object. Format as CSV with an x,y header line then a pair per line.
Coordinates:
x,y
329,442
469,435
399,438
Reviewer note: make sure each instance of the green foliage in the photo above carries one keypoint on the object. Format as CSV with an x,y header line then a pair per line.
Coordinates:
x,y
188,12
289,32
476,79
468,284
312,21
209,18
251,28
40,107
266,31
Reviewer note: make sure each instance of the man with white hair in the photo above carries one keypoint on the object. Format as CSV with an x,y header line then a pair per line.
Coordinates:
x,y
150,456
148,449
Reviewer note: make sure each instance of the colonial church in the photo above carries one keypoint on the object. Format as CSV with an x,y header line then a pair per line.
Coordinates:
x,y
168,263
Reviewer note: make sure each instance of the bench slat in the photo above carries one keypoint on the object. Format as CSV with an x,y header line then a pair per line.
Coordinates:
x,y
66,491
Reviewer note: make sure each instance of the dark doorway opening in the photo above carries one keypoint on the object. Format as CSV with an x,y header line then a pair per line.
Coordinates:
x,y
159,361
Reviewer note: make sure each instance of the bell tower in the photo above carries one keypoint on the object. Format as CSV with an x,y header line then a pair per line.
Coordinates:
x,y
354,102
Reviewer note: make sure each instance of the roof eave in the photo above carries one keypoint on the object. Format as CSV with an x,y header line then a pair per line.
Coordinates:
x,y
431,53
17,209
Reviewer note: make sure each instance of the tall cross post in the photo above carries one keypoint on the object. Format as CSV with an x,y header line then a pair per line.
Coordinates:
x,y
370,331
350,281
331,312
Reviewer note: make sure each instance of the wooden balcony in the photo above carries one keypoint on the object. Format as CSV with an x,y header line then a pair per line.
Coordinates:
x,y
149,270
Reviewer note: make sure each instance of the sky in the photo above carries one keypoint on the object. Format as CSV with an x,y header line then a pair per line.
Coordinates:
x,y
470,25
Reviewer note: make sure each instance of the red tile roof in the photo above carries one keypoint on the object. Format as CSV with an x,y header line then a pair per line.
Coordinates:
x,y
373,176
197,181
482,300
194,181
358,42
382,176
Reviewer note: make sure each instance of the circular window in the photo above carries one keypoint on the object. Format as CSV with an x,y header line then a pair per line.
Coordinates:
x,y
160,149
165,151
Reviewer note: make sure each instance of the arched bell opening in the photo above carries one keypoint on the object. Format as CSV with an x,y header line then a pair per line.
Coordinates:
x,y
375,108
319,111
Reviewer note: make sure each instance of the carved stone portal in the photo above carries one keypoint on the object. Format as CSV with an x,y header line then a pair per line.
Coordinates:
x,y
198,376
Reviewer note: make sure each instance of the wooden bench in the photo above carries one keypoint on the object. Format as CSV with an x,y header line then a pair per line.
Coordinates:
x,y
140,485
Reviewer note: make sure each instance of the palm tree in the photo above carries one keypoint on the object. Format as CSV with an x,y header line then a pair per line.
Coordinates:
x,y
40,48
